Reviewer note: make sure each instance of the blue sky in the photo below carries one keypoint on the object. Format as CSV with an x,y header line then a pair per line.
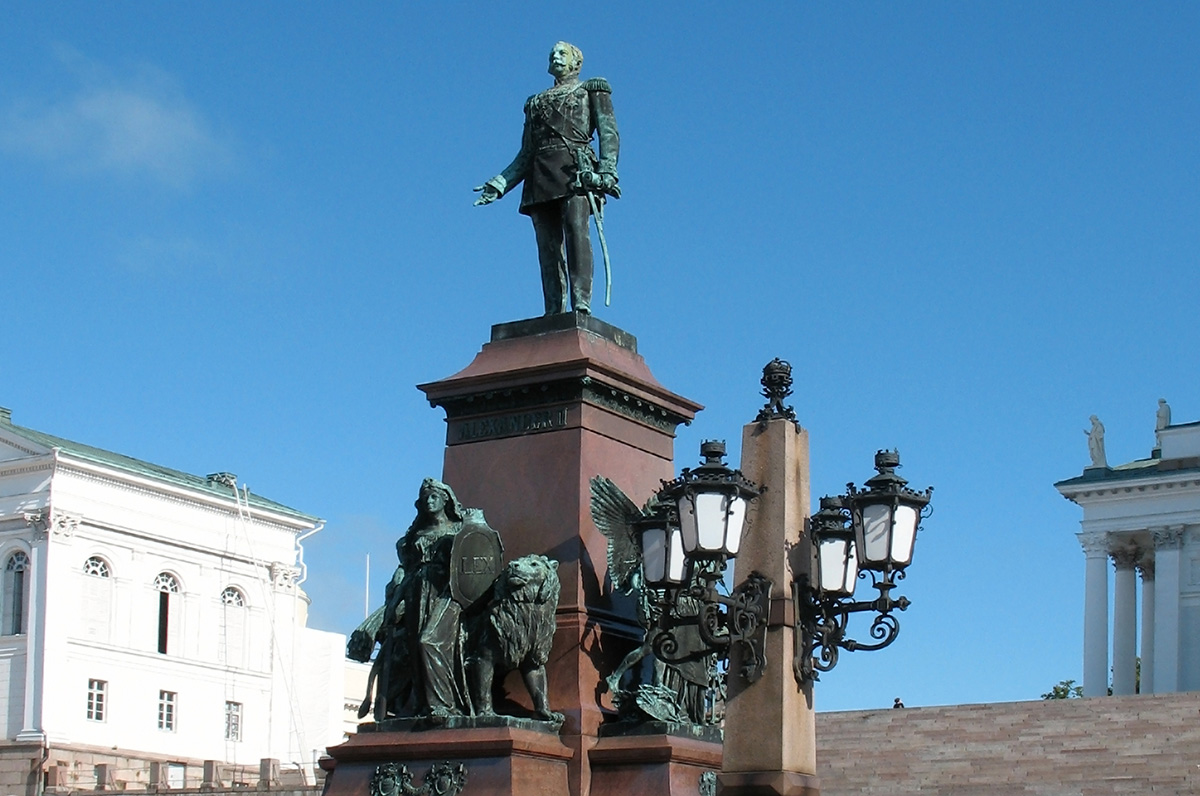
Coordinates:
x,y
235,236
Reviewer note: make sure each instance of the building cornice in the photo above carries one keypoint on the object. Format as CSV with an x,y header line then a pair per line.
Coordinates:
x,y
36,462
1119,489
177,494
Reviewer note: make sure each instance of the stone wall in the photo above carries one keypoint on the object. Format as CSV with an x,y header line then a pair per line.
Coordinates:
x,y
71,770
1071,747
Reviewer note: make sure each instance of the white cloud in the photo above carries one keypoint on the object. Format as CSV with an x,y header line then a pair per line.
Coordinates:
x,y
135,126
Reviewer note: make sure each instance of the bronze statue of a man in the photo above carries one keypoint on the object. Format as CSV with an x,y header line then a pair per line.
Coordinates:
x,y
564,178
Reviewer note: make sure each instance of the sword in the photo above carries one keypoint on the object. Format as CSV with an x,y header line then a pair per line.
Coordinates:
x,y
583,167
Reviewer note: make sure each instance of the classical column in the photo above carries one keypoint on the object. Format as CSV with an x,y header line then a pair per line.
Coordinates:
x,y
1124,620
1095,614
1146,567
1166,608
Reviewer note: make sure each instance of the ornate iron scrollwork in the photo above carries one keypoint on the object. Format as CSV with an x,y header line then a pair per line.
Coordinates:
x,y
443,779
740,617
821,626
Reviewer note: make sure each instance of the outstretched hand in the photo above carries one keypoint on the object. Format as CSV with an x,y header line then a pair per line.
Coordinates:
x,y
487,194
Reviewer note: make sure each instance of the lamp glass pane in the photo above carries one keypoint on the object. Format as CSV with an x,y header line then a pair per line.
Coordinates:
x,y
851,567
904,535
737,519
876,521
654,554
676,563
687,523
831,563
710,520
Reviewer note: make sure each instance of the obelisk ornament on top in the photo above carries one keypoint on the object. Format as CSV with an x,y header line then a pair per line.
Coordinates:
x,y
566,181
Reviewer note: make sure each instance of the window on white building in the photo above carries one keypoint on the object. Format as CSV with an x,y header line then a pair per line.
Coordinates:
x,y
233,721
166,710
16,593
95,609
231,643
166,585
96,697
97,567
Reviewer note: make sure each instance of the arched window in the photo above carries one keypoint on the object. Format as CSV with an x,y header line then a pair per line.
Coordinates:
x,y
166,585
232,643
16,593
231,596
97,567
95,613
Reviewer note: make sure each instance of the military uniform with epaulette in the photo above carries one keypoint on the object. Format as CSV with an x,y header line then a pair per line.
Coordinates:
x,y
559,123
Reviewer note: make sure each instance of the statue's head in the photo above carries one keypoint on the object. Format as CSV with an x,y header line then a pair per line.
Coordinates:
x,y
565,60
436,495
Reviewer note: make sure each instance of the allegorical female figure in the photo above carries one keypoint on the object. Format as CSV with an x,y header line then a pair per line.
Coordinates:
x,y
431,617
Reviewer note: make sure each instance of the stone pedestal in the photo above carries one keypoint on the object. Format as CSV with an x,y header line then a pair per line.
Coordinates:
x,y
498,760
770,732
660,764
547,405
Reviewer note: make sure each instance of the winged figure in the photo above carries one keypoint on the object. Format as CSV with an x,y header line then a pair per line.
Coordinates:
x,y
679,693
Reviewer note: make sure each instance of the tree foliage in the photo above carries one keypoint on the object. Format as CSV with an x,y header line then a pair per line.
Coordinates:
x,y
1064,690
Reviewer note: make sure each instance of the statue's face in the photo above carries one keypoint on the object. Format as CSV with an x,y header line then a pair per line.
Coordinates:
x,y
562,60
433,501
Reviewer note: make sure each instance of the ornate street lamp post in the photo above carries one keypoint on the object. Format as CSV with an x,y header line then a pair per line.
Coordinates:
x,y
697,528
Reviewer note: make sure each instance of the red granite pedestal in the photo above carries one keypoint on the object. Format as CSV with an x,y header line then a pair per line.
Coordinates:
x,y
547,405
498,760
660,764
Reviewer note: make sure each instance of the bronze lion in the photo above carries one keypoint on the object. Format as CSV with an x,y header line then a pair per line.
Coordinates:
x,y
516,631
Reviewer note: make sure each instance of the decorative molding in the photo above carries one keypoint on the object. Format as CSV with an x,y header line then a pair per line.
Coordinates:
x,y
283,576
65,525
39,521
1168,538
1125,557
1145,567
394,779
582,389
631,406
1095,543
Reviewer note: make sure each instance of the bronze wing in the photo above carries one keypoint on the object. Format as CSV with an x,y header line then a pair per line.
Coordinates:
x,y
614,514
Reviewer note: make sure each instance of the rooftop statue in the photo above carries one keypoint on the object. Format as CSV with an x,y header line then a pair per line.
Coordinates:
x,y
565,180
1095,437
1162,419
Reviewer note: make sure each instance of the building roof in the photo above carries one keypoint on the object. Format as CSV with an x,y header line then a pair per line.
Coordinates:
x,y
1139,468
138,467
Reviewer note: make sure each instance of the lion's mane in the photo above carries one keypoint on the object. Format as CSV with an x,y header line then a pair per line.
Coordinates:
x,y
521,623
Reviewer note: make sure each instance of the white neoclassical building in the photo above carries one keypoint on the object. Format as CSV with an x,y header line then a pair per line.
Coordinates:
x,y
1144,517
149,616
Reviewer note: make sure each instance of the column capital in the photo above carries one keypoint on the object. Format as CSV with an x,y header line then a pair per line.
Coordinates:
x,y
1166,538
1145,566
1095,543
1125,557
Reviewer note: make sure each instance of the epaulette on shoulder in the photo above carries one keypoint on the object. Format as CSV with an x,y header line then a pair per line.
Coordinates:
x,y
529,99
597,84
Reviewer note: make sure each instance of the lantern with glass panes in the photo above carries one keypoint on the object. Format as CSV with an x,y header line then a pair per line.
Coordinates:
x,y
865,532
687,541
